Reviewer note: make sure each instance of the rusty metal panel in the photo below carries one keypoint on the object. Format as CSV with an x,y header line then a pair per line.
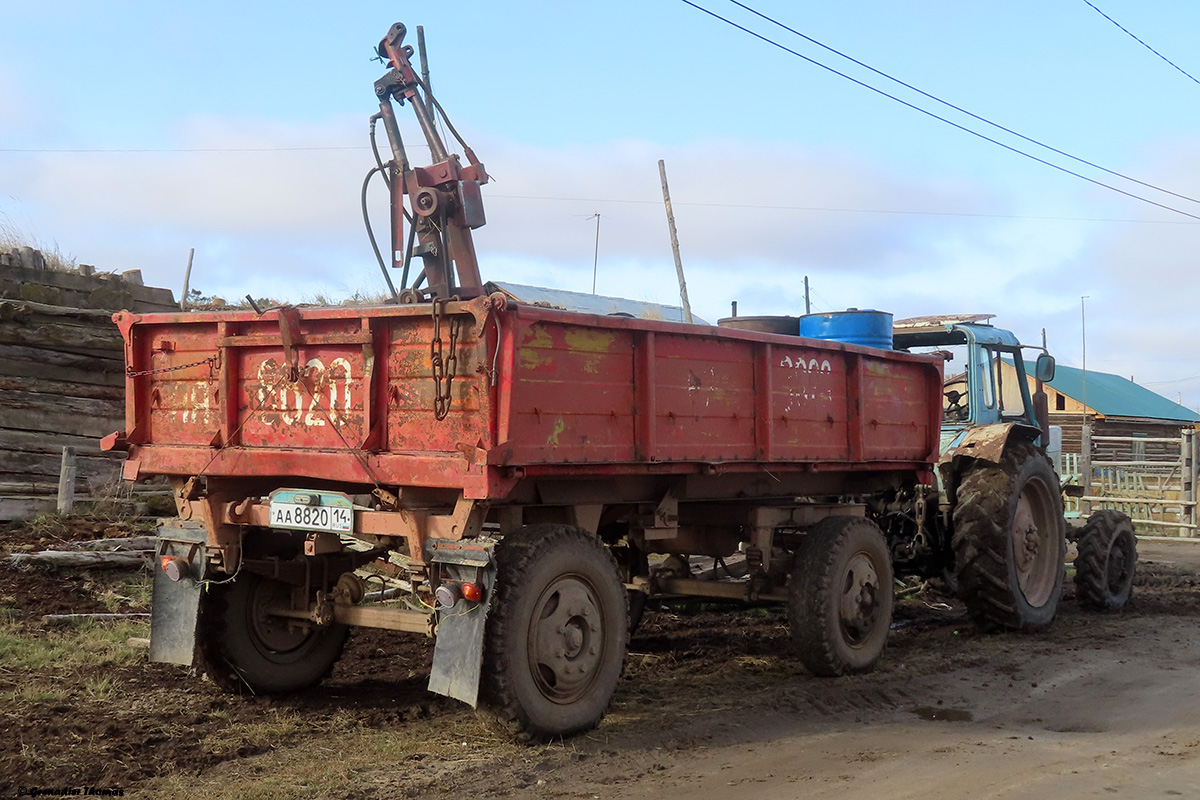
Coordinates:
x,y
571,394
412,425
704,398
895,409
809,420
324,408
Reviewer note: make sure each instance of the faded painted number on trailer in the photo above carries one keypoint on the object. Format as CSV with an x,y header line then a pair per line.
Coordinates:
x,y
322,393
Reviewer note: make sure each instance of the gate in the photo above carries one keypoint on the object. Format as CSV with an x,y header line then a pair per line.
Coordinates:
x,y
1157,490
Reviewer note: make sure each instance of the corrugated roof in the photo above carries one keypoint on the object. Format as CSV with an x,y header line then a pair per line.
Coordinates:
x,y
590,303
1114,396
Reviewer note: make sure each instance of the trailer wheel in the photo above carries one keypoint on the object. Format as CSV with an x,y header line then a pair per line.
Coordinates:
x,y
1105,563
556,636
840,598
1010,541
242,649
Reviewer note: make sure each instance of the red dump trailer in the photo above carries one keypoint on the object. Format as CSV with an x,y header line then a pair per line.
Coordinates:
x,y
518,479
524,471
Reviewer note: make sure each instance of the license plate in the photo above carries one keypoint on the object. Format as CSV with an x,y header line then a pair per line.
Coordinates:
x,y
324,516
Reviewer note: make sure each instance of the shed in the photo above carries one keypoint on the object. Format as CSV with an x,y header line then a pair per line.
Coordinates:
x,y
589,303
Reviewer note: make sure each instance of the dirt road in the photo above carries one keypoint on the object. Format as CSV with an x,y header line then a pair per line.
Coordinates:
x,y
712,704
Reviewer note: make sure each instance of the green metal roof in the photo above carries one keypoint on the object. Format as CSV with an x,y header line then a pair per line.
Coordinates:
x,y
1114,396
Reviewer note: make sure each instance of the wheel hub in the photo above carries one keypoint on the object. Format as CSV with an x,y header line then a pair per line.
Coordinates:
x,y
275,634
1118,561
1034,554
859,602
566,639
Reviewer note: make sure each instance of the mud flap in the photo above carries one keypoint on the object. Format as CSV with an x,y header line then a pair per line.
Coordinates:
x,y
458,649
176,602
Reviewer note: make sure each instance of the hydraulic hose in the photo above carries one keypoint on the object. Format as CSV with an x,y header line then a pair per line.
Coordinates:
x,y
371,233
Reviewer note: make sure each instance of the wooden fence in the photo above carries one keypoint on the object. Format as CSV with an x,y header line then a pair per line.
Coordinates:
x,y
1157,491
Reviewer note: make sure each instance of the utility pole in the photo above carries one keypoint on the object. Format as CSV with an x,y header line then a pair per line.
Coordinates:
x,y
596,255
687,307
1083,330
807,299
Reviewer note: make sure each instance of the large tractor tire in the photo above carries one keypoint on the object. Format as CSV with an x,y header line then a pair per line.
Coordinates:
x,y
243,649
840,596
1107,554
1010,540
556,635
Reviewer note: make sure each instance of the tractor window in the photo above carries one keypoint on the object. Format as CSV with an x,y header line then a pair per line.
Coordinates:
x,y
1009,397
955,393
987,377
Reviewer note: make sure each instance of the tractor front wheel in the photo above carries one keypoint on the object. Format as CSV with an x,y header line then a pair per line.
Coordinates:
x,y
1107,553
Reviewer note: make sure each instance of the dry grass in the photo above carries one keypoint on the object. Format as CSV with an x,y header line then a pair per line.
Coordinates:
x,y
12,237
45,658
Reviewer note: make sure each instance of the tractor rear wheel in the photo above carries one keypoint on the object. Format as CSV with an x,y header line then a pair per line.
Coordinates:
x,y
1010,540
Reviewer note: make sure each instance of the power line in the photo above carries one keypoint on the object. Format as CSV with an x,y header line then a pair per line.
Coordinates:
x,y
828,209
176,149
962,110
1139,41
1176,380
928,113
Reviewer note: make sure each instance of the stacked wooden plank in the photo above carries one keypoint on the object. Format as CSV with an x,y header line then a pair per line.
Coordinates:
x,y
61,378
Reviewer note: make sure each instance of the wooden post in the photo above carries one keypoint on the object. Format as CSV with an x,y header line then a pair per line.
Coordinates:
x,y
1195,475
66,481
683,295
187,279
1085,467
1187,458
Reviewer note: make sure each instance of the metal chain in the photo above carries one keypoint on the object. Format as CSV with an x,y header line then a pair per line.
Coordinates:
x,y
443,369
211,361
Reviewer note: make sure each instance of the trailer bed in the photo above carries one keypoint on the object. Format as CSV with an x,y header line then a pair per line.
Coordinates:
x,y
347,396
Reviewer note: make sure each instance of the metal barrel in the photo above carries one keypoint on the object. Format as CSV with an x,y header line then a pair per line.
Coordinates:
x,y
863,327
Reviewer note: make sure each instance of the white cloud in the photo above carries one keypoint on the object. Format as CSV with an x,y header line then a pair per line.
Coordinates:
x,y
287,224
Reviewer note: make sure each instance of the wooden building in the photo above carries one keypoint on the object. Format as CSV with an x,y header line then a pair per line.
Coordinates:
x,y
1115,407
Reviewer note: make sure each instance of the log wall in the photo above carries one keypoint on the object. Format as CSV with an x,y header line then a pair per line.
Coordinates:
x,y
61,375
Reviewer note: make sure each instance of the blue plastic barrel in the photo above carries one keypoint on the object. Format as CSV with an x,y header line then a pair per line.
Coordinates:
x,y
867,328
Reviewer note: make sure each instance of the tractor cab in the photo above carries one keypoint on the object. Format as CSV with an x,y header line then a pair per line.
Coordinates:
x,y
985,372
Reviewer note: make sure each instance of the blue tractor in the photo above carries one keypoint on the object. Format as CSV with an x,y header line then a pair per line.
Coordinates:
x,y
994,528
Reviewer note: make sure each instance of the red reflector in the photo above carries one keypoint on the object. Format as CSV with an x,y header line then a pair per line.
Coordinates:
x,y
472,592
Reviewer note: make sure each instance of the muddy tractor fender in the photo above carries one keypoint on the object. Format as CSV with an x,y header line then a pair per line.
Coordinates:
x,y
983,443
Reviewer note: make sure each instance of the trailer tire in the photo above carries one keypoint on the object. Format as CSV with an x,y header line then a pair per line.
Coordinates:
x,y
840,598
1010,541
556,636
1104,565
241,649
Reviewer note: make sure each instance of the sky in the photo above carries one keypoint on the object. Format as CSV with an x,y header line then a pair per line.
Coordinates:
x,y
131,132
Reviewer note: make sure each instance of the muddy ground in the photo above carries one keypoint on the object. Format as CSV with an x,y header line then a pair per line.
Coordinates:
x,y
712,704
